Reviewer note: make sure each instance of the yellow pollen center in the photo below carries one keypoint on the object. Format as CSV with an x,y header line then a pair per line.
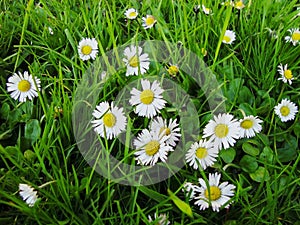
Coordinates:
x,y
288,74
213,194
221,130
239,4
132,14
86,50
147,97
247,124
296,36
284,110
166,131
173,70
150,20
152,148
134,61
109,119
24,85
207,10
201,153
226,39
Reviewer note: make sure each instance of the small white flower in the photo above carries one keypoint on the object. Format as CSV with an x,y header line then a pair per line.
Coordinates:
x,y
215,194
135,60
131,13
170,130
229,37
160,220
239,5
286,110
286,74
250,125
206,10
294,36
88,48
110,120
50,30
148,21
223,130
190,189
203,153
148,102
228,3
151,147
28,194
23,86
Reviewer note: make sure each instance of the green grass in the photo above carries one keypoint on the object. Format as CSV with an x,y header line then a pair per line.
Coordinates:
x,y
37,143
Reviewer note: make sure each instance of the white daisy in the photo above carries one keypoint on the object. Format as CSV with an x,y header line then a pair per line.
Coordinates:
x,y
131,13
135,60
249,126
50,30
148,21
88,48
110,120
190,189
294,37
28,194
203,153
222,131
286,74
23,86
229,37
206,10
239,5
286,110
170,130
151,147
160,220
148,102
215,194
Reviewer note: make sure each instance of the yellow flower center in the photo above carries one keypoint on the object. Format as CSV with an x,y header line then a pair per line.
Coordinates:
x,y
166,131
24,86
173,70
86,50
150,20
247,124
227,39
201,153
134,61
213,194
288,74
132,14
152,148
296,36
109,119
207,10
221,130
239,5
284,110
147,97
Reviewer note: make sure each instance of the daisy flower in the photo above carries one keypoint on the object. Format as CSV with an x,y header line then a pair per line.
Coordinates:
x,y
23,86
131,13
228,3
151,147
239,5
109,120
249,126
173,70
28,194
190,189
170,130
215,194
160,220
203,153
148,102
223,130
148,21
135,60
286,110
88,48
207,11
286,74
229,37
294,37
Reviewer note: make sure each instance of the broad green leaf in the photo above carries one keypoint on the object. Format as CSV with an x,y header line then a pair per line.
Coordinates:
x,y
250,149
289,151
228,154
32,130
260,175
248,163
29,155
267,155
245,96
183,206
297,129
